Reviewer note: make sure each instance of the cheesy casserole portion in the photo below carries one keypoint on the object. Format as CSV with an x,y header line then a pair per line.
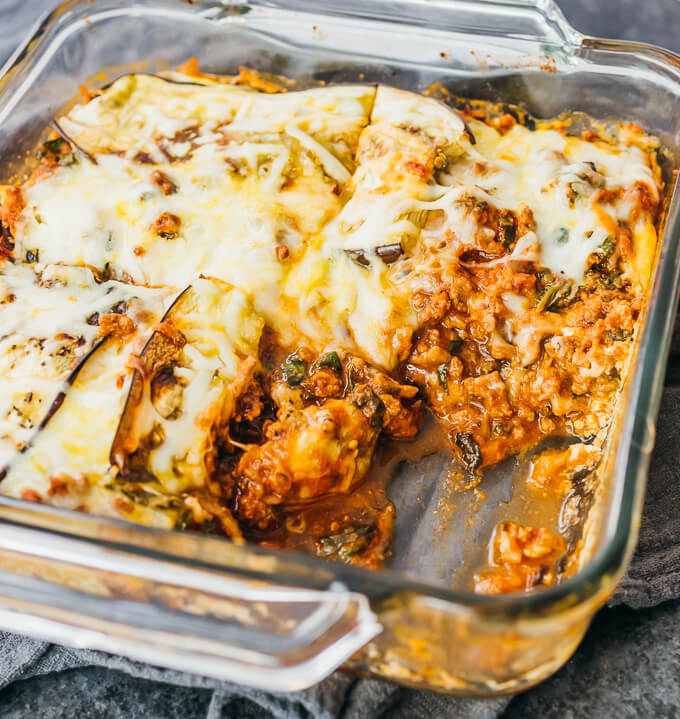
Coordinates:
x,y
218,298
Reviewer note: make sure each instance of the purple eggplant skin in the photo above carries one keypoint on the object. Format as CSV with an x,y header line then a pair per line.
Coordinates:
x,y
359,256
169,80
390,253
64,136
68,382
467,130
59,399
466,127
117,454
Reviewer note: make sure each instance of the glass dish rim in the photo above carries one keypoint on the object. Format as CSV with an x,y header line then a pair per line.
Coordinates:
x,y
599,576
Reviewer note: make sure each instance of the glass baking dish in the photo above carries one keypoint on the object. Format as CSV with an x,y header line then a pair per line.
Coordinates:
x,y
282,621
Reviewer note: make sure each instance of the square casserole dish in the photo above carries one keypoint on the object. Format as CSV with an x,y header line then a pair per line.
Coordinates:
x,y
277,620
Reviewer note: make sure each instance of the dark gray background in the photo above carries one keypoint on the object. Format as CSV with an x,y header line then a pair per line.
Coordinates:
x,y
629,662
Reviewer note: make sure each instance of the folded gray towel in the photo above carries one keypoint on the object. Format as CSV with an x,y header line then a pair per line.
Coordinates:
x,y
654,576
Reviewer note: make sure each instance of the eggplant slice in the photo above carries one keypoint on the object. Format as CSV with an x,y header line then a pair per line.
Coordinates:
x,y
50,319
74,145
181,398
62,456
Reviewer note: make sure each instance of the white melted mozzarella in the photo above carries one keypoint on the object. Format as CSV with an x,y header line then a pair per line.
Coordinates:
x,y
281,206
267,181
345,296
256,172
80,458
280,196
535,168
146,113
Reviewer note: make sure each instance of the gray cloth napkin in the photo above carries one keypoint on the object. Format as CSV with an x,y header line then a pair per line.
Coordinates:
x,y
654,575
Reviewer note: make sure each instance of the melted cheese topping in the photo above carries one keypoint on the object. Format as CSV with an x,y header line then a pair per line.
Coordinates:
x,y
49,318
306,174
252,173
558,177
72,468
260,172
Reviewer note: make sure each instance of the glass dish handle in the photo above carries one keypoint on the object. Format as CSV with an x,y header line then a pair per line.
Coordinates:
x,y
176,614
550,23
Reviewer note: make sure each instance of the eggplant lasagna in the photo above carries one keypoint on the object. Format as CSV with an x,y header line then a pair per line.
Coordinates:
x,y
219,296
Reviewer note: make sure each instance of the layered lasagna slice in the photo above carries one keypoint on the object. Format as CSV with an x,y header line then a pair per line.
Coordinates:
x,y
189,383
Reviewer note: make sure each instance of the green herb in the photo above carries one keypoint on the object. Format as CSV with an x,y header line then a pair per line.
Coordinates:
x,y
548,296
472,456
138,495
184,519
294,371
53,147
455,345
330,360
619,335
553,293
507,227
608,279
443,375
170,503
347,543
234,9
606,249
561,235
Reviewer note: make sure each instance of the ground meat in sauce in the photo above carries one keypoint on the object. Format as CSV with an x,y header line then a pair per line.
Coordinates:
x,y
167,226
306,454
163,182
522,558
